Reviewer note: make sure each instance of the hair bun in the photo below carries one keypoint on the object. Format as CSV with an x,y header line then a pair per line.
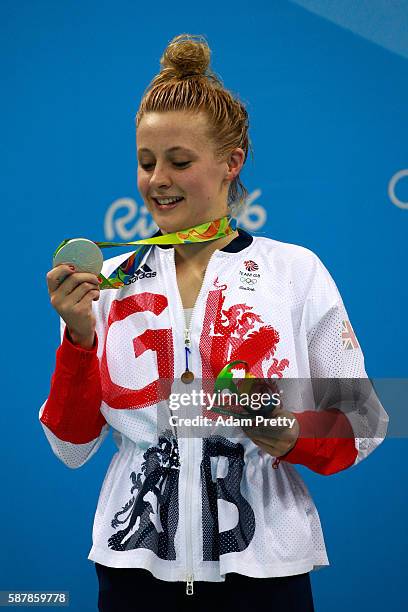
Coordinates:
x,y
186,55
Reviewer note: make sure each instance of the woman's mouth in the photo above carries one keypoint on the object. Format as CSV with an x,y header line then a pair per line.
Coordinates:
x,y
167,203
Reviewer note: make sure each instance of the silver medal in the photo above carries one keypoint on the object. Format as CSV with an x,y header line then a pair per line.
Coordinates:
x,y
84,254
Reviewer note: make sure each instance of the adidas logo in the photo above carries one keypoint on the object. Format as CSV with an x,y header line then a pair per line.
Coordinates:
x,y
143,272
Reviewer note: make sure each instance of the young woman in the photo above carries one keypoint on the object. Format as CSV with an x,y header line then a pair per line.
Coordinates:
x,y
202,518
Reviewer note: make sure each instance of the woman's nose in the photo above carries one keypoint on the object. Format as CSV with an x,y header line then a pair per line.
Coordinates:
x,y
160,178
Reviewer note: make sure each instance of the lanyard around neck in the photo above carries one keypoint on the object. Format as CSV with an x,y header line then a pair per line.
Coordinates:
x,y
205,232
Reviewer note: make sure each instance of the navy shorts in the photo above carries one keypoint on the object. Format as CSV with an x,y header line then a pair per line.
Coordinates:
x,y
126,589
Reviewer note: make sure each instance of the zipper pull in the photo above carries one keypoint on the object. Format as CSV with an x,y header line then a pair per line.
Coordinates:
x,y
189,586
276,463
187,377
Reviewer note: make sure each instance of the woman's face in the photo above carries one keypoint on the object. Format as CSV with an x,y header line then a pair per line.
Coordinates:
x,y
177,159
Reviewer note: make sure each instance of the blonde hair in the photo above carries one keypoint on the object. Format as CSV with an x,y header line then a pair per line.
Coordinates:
x,y
185,82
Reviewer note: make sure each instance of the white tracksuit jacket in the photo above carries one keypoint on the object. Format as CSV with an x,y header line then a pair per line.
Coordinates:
x,y
197,508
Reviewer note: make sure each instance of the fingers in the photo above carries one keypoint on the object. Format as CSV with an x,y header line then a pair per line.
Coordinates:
x,y
57,275
92,296
277,439
269,433
71,295
82,291
264,395
64,279
268,430
275,447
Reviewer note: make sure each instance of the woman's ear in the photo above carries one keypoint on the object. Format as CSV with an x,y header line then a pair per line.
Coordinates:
x,y
235,163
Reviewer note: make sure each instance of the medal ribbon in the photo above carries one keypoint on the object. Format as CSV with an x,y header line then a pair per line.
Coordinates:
x,y
204,232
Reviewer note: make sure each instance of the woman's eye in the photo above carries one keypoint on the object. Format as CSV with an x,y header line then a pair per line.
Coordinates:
x,y
181,164
177,164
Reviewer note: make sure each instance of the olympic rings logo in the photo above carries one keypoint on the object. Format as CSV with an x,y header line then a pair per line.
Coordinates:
x,y
249,281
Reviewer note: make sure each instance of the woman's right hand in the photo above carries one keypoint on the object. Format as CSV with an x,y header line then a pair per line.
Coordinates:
x,y
71,294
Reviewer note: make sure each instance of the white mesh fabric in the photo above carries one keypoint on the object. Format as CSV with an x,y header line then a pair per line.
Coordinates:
x,y
334,352
275,305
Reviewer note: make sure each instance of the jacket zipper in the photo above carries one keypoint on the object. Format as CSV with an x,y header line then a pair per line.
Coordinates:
x,y
190,577
187,347
187,508
189,546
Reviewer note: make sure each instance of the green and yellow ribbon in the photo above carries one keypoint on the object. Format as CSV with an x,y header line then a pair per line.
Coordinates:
x,y
205,232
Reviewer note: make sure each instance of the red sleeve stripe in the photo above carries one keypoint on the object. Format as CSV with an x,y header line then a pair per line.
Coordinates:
x,y
326,455
72,411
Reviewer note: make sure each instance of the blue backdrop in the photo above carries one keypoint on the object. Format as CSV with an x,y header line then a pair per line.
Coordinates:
x,y
327,92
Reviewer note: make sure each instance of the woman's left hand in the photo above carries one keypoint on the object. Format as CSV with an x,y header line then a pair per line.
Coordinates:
x,y
278,438
275,440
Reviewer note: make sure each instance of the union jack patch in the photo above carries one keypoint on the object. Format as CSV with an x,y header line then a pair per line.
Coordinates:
x,y
348,337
